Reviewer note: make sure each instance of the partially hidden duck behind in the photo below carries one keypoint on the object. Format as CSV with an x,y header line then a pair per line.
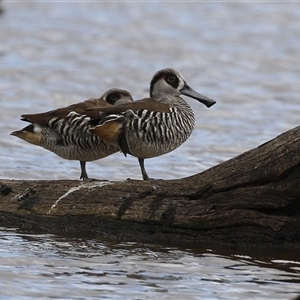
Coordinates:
x,y
65,131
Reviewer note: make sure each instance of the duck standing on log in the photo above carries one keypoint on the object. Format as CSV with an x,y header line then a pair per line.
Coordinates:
x,y
65,131
153,126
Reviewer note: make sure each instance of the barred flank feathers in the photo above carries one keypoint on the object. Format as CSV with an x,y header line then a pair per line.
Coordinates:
x,y
161,127
72,139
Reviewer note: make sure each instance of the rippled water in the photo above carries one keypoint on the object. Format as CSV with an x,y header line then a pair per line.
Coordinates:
x,y
47,266
244,55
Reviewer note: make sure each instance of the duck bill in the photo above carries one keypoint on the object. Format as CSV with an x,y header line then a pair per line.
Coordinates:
x,y
189,92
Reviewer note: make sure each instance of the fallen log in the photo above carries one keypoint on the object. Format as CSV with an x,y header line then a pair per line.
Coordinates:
x,y
250,200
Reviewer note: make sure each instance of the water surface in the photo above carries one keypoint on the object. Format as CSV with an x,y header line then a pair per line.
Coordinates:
x,y
244,55
46,266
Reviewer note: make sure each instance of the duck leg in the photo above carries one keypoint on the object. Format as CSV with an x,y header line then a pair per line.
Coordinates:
x,y
144,173
83,175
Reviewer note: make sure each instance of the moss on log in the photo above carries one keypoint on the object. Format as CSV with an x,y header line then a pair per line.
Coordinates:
x,y
250,200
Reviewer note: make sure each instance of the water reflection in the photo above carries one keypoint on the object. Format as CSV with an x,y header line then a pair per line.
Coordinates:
x,y
45,266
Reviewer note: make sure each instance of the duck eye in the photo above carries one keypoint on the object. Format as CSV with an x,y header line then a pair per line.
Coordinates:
x,y
171,78
112,98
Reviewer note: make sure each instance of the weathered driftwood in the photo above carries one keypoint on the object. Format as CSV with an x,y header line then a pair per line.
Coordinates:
x,y
250,200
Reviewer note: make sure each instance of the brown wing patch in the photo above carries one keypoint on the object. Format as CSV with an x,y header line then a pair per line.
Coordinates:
x,y
61,113
109,131
147,103
43,118
90,103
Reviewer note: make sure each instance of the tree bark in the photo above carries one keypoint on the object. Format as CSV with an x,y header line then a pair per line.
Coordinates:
x,y
250,200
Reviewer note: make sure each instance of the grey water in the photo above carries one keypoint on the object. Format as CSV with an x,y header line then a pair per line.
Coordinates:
x,y
43,266
245,55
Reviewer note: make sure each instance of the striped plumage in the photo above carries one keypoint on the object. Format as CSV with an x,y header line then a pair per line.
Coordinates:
x,y
152,126
70,138
65,131
165,131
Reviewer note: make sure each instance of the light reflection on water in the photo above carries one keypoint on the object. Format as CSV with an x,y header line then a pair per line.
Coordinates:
x,y
46,266
244,55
